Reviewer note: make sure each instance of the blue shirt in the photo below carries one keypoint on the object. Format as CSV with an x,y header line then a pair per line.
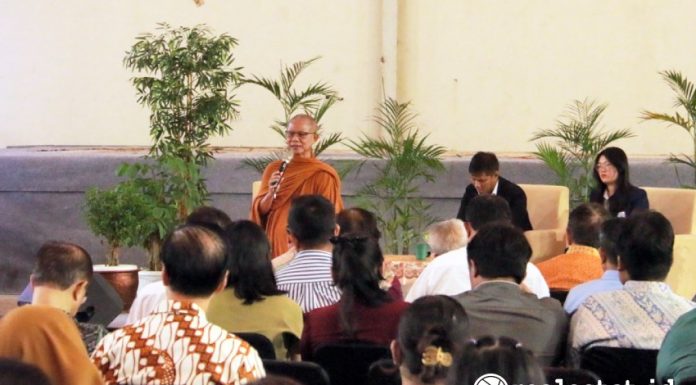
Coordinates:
x,y
577,295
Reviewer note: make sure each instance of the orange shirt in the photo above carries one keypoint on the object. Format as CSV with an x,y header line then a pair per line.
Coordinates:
x,y
303,176
48,338
579,264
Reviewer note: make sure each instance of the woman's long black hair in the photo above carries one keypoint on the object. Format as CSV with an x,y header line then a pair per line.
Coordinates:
x,y
248,262
356,266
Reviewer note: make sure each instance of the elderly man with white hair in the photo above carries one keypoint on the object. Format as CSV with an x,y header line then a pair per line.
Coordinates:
x,y
448,273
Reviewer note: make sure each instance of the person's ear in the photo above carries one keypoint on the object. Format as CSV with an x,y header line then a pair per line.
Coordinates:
x,y
469,231
293,240
165,276
223,283
396,352
79,291
473,272
337,230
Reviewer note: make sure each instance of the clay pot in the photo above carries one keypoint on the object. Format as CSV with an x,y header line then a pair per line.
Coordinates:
x,y
124,279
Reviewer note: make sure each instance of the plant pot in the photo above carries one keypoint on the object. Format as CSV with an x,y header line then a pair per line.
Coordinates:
x,y
146,277
124,279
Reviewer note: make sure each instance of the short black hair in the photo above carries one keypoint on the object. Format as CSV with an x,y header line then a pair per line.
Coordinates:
x,y
251,273
431,321
484,163
500,250
61,264
501,355
194,258
645,246
358,220
585,222
208,216
312,220
609,238
485,209
13,372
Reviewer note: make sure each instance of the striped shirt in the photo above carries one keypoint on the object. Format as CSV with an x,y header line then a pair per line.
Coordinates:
x,y
307,279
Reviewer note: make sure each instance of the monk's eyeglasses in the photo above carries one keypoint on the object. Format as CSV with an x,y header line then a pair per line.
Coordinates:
x,y
298,134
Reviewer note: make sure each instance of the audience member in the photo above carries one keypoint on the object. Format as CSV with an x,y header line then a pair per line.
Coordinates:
x,y
614,189
176,344
485,180
44,333
501,356
358,220
581,261
639,315
14,372
491,209
447,241
252,302
150,296
365,312
432,334
498,255
677,357
608,252
307,278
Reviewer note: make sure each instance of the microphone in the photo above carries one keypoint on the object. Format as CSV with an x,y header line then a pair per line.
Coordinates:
x,y
281,169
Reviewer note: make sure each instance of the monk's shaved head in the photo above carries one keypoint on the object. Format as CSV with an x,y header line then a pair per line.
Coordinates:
x,y
303,122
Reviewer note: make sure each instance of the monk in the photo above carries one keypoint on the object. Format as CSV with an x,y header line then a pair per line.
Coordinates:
x,y
303,175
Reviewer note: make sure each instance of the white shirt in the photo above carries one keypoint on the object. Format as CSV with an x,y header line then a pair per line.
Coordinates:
x,y
448,274
147,301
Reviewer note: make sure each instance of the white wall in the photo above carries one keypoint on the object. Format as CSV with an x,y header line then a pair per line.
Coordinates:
x,y
486,74
483,74
62,80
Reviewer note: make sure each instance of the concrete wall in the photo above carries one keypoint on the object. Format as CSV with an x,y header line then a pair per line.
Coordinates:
x,y
484,74
42,195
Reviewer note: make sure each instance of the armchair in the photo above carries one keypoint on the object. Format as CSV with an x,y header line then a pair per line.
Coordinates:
x,y
548,208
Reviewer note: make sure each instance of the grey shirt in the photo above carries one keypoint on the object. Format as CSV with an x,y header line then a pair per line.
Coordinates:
x,y
501,308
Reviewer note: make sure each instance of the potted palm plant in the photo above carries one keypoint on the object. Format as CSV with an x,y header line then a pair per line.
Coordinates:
x,y
578,139
404,161
685,98
313,100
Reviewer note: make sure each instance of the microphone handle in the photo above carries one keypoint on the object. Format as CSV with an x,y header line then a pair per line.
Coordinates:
x,y
282,168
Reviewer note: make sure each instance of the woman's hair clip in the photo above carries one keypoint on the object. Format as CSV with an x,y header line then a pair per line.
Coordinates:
x,y
352,240
434,355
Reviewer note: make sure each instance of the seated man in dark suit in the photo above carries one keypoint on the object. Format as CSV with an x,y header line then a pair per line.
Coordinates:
x,y
485,179
497,305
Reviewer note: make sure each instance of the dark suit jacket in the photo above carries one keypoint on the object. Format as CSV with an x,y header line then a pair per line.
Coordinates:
x,y
503,309
509,191
635,199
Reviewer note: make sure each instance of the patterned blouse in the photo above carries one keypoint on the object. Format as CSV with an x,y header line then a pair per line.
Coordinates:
x,y
638,316
176,345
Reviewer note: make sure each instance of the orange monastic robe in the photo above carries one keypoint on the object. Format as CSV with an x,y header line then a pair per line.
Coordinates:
x,y
303,176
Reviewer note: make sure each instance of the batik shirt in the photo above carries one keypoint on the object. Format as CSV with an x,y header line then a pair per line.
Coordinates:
x,y
176,345
637,316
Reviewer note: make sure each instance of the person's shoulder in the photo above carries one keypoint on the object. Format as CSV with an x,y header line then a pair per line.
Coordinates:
x,y
282,301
